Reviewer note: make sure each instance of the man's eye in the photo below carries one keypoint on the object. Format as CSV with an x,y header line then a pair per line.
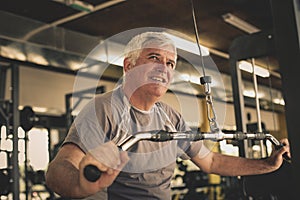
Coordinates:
x,y
171,65
154,57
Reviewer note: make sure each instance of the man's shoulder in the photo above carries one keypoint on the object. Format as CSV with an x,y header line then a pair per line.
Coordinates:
x,y
108,97
103,97
109,102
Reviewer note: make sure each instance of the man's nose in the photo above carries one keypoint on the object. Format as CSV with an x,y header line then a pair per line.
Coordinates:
x,y
164,62
162,67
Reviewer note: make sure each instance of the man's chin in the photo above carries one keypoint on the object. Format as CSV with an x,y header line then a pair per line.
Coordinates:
x,y
158,90
159,85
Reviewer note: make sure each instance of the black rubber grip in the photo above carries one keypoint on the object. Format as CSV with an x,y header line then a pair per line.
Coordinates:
x,y
205,79
91,173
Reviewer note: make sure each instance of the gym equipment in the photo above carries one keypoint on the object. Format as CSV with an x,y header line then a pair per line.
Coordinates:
x,y
27,118
191,180
92,173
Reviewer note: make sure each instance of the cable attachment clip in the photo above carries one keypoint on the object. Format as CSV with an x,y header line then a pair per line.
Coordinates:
x,y
211,114
206,80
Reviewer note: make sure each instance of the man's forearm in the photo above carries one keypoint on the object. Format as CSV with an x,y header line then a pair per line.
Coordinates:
x,y
63,178
238,166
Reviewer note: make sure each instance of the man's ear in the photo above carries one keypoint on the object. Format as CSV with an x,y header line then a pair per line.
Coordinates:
x,y
127,65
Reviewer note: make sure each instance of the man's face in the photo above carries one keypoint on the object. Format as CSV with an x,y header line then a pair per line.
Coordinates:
x,y
153,71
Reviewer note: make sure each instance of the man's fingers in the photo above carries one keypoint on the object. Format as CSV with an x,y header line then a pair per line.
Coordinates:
x,y
284,151
110,171
115,164
107,154
124,157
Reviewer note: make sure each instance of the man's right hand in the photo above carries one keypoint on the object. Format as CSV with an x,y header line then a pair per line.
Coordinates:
x,y
109,160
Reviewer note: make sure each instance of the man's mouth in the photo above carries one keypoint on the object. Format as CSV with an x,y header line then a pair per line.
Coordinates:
x,y
158,79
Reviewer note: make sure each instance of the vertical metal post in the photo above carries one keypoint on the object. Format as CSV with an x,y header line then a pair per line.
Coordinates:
x,y
68,109
257,105
26,166
3,72
239,105
16,124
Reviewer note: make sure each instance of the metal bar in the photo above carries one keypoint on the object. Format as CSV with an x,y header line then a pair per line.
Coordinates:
x,y
162,135
259,127
16,124
3,73
257,106
26,162
239,108
70,18
92,173
79,94
68,110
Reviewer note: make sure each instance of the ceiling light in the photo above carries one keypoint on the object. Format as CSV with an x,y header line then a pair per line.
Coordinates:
x,y
239,23
39,109
37,58
187,45
12,52
260,71
251,93
78,5
279,101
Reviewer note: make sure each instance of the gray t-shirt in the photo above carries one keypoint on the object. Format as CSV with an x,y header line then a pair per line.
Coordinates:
x,y
149,171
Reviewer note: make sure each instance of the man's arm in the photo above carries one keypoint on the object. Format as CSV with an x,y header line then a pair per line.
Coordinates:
x,y
217,163
65,173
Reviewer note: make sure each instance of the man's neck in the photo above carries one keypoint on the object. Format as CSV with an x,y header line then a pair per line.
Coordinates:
x,y
142,102
140,99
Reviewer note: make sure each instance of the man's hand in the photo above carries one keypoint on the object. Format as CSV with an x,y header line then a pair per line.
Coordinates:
x,y
109,160
278,155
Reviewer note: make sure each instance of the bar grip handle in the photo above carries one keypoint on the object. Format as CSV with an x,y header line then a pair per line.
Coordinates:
x,y
91,173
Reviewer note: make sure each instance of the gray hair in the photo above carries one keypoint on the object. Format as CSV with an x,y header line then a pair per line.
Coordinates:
x,y
136,45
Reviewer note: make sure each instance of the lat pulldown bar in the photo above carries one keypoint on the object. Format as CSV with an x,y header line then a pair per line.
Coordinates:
x,y
92,173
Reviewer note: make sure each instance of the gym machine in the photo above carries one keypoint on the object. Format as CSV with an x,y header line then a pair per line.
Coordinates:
x,y
12,122
79,96
28,120
12,118
250,47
